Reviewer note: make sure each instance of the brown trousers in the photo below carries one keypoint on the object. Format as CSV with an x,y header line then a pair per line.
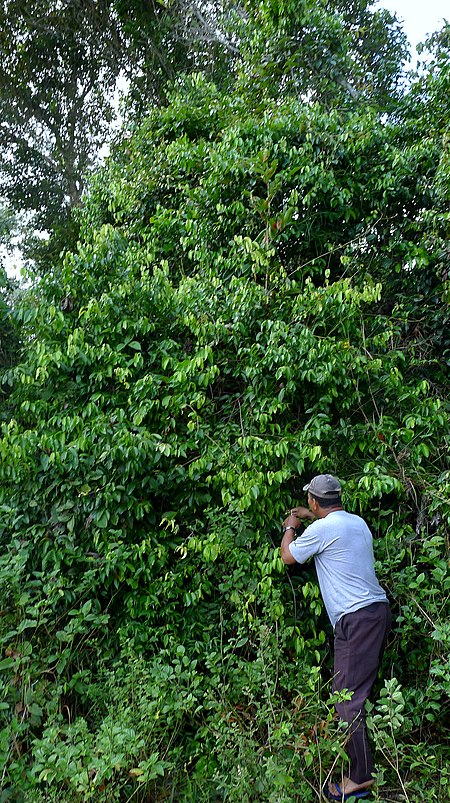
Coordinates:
x,y
359,642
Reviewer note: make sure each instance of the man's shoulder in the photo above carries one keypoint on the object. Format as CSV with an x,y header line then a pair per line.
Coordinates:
x,y
349,521
337,519
347,515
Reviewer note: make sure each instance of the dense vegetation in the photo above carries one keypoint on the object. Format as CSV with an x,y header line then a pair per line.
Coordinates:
x,y
62,63
259,293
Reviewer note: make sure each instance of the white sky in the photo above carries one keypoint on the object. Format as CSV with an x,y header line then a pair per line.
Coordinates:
x,y
419,17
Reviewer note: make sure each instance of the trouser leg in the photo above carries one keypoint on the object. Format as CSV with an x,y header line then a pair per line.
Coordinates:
x,y
360,639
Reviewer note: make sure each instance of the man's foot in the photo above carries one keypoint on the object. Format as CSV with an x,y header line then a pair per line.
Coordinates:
x,y
348,789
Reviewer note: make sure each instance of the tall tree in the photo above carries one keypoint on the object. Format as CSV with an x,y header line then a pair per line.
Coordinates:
x,y
167,39
335,52
59,63
9,340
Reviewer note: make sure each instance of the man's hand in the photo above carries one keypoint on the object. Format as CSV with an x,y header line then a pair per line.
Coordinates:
x,y
292,521
302,513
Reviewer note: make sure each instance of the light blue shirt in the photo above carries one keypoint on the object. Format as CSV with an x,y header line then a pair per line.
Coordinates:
x,y
341,544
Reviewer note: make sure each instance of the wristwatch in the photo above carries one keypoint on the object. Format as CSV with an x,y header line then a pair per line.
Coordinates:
x,y
290,527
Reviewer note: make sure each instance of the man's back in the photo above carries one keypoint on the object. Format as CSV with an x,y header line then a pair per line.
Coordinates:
x,y
341,544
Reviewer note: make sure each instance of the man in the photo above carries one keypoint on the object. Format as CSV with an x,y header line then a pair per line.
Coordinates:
x,y
341,544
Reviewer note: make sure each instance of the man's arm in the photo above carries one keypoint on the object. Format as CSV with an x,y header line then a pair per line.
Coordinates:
x,y
291,523
288,537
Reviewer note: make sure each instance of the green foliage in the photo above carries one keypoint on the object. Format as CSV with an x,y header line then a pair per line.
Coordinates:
x,y
336,52
9,335
166,39
62,64
58,71
229,324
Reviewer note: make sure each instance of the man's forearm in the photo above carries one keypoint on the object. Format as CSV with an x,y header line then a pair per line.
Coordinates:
x,y
288,537
290,525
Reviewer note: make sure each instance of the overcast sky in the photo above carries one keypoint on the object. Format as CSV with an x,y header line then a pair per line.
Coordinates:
x,y
420,17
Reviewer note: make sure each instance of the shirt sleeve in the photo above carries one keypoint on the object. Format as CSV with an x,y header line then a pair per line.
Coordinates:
x,y
307,544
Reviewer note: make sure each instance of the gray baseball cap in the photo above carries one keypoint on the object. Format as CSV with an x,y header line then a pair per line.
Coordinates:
x,y
324,486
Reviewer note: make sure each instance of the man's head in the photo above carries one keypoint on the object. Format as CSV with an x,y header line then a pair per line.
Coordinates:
x,y
324,491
